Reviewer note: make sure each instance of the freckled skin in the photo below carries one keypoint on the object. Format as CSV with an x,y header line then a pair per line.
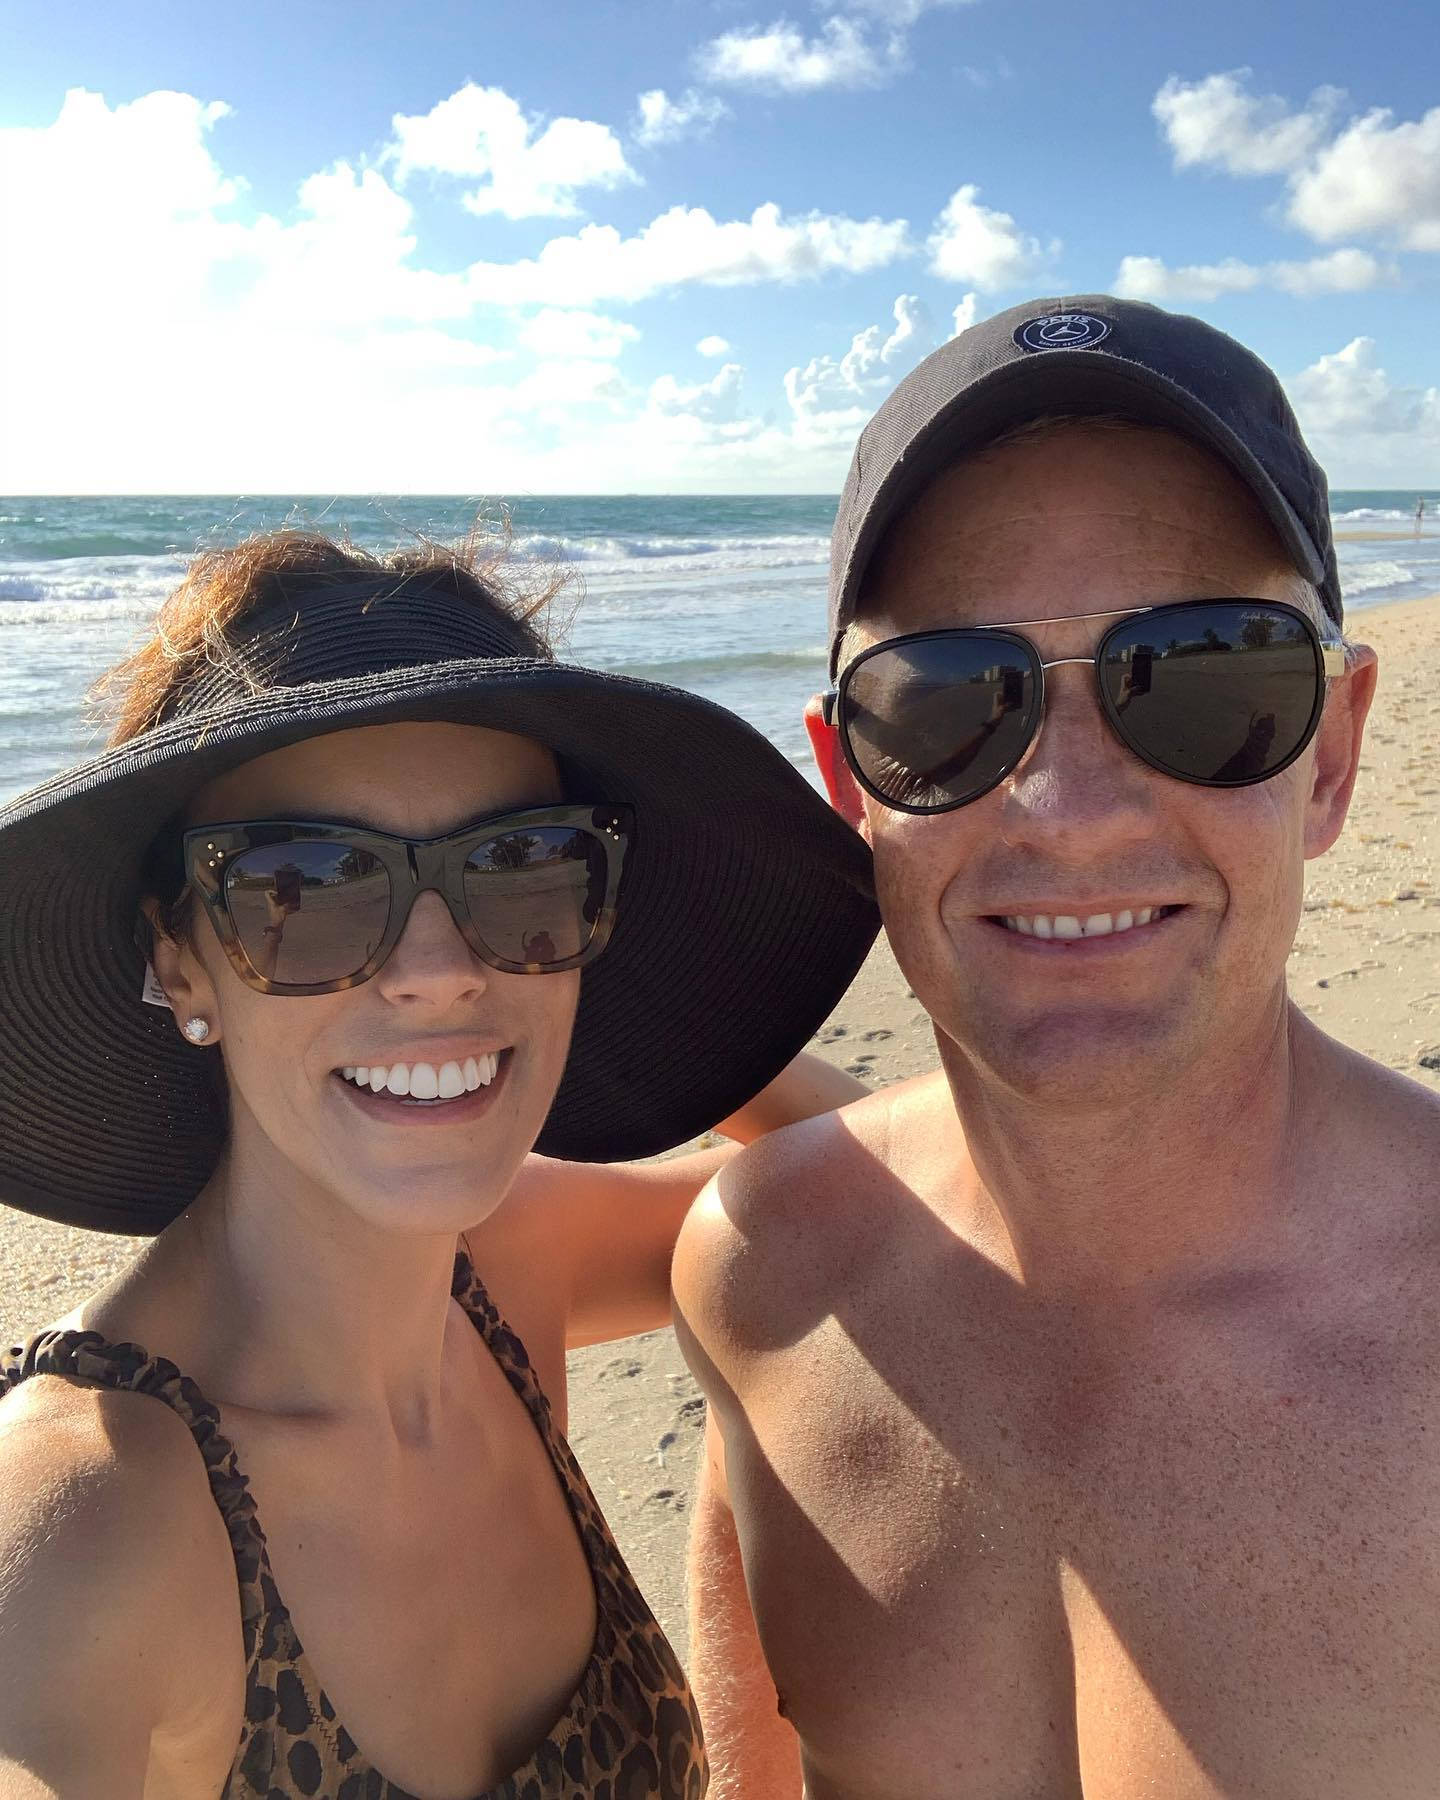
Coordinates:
x,y
1077,1402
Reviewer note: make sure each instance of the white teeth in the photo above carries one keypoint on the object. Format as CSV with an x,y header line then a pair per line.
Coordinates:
x,y
1068,926
423,1081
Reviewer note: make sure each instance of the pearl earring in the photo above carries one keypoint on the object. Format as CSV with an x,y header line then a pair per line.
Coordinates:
x,y
197,1030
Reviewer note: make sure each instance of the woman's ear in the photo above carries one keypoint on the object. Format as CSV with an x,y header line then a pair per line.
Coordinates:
x,y
835,772
188,988
1337,749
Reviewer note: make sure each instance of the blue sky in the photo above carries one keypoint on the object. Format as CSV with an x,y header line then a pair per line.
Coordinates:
x,y
314,247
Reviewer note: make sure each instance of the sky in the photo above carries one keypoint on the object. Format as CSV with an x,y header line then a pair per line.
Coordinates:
x,y
675,246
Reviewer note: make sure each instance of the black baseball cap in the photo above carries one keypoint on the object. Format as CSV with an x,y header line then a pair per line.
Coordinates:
x,y
1083,353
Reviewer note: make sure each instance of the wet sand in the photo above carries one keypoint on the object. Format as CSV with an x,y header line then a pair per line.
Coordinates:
x,y
1366,966
1379,537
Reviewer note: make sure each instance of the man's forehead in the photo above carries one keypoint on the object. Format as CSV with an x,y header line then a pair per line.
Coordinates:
x,y
1069,505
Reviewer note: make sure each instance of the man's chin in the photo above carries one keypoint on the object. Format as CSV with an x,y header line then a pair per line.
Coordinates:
x,y
1092,1058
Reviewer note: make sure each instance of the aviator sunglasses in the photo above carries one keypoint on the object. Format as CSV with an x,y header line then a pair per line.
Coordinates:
x,y
1223,693
304,908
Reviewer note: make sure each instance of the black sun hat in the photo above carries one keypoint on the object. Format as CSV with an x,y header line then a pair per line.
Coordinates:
x,y
745,908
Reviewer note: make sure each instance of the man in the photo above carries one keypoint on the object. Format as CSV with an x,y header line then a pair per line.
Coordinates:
x,y
1078,1408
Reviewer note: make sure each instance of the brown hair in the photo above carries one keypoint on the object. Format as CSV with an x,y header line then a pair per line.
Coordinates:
x,y
194,627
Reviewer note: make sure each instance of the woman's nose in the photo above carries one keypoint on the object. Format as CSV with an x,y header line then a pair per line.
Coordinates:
x,y
432,962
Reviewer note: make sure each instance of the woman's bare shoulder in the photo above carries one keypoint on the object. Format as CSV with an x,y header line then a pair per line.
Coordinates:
x,y
113,1556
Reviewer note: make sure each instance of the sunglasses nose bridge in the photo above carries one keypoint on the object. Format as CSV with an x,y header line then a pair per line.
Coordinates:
x,y
1076,732
425,864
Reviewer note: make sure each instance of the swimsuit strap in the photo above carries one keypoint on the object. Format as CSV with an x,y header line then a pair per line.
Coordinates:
x,y
87,1358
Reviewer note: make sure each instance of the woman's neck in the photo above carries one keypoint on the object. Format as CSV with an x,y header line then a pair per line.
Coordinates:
x,y
306,1308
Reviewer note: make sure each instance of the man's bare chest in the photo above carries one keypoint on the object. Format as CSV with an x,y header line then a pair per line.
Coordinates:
x,y
1017,1571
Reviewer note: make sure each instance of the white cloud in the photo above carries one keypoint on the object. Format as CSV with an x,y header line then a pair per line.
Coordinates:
x,y
966,314
981,247
780,57
860,44
157,299
1346,271
1375,179
1216,122
146,160
715,401
871,364
572,332
661,120
1364,428
898,14
552,391
687,244
713,345
481,133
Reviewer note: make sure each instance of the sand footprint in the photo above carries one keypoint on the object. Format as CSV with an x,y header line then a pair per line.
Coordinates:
x,y
1363,968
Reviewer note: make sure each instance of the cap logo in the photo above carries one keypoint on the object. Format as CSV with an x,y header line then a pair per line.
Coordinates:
x,y
1062,331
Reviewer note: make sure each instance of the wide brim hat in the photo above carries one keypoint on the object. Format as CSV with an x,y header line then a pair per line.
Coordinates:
x,y
745,908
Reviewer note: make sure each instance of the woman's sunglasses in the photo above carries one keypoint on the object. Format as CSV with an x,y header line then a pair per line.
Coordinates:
x,y
310,909
1223,693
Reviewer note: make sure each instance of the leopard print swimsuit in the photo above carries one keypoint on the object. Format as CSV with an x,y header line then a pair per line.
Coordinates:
x,y
630,1732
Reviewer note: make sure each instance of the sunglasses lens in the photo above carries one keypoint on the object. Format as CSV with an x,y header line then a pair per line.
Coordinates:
x,y
934,721
535,895
307,912
1225,692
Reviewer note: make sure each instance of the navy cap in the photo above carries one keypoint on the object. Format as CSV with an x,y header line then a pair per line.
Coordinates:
x,y
1085,353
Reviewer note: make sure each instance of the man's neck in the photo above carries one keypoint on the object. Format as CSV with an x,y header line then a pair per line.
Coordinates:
x,y
1164,1186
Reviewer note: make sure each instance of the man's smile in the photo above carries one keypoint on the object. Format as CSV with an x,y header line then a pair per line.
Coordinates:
x,y
1069,927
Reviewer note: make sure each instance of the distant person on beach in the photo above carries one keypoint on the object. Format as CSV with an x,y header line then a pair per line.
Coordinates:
x,y
1419,514
399,876
1073,1410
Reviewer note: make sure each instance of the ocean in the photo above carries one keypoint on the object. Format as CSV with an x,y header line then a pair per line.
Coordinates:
x,y
721,594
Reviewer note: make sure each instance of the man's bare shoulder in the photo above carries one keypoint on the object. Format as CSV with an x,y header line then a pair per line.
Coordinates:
x,y
1378,1117
110,1546
773,1236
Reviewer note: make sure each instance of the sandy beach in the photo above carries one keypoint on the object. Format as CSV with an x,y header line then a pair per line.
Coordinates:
x,y
1366,966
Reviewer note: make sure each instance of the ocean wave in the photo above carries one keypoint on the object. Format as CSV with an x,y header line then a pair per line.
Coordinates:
x,y
1374,515
648,548
75,544
78,581
1374,577
25,614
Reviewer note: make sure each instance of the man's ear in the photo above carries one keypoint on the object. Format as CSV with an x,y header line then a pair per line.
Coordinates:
x,y
835,772
1337,749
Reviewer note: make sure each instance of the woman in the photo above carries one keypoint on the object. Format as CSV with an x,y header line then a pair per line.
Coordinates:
x,y
400,878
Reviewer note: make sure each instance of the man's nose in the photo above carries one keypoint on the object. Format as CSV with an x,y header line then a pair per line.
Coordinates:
x,y
432,963
1078,789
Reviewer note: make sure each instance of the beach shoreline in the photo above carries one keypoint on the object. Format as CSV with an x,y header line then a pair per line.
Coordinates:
x,y
1366,967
